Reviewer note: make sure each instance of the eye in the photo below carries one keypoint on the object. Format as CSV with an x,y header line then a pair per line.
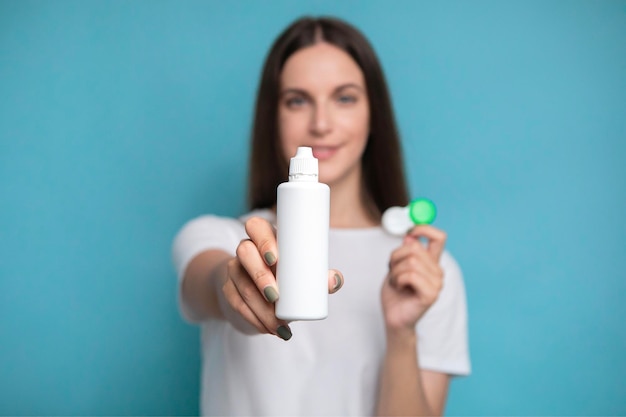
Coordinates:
x,y
346,99
295,101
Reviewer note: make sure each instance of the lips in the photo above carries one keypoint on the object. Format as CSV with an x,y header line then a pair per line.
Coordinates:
x,y
324,152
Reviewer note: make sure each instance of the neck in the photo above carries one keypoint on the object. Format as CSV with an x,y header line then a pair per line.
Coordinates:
x,y
347,204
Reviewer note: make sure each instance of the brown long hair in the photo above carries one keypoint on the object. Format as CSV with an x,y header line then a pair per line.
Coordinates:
x,y
383,172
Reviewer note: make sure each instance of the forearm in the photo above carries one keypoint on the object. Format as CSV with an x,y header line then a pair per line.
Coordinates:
x,y
204,277
401,390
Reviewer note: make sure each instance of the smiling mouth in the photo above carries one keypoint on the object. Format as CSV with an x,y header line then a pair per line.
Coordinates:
x,y
324,152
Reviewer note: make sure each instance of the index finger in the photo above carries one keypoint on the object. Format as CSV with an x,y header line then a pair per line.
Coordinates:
x,y
261,233
436,239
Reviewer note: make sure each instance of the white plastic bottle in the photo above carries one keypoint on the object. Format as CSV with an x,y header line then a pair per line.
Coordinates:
x,y
303,220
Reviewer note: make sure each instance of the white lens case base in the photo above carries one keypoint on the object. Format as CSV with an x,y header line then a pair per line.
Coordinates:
x,y
397,221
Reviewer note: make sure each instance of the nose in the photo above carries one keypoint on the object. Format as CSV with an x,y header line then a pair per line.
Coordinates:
x,y
321,123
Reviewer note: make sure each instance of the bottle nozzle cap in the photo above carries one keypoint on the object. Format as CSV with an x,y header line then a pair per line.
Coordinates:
x,y
304,152
303,166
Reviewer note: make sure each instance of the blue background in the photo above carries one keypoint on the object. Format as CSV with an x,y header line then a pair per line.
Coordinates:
x,y
120,120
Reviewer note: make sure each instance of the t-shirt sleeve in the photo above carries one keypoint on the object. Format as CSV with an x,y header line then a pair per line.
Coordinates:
x,y
199,235
442,331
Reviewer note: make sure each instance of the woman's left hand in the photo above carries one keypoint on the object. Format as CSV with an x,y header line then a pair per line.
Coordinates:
x,y
415,279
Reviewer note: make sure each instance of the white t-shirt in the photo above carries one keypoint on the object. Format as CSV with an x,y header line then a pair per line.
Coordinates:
x,y
329,367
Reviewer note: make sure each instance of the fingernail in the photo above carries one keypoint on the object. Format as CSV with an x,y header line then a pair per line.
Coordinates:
x,y
270,293
284,332
338,282
269,258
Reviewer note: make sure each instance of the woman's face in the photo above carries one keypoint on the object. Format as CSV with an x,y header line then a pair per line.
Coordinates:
x,y
323,104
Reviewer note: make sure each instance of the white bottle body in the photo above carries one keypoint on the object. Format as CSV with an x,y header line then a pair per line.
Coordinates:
x,y
303,220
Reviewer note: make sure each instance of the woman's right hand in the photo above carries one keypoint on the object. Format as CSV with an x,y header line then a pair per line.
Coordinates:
x,y
250,290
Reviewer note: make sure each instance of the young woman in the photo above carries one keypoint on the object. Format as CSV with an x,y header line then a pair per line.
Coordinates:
x,y
397,330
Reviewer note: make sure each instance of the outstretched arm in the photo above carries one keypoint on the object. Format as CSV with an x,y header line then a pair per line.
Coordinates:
x,y
241,289
413,284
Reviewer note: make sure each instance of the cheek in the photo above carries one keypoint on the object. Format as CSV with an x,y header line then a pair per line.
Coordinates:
x,y
289,129
357,126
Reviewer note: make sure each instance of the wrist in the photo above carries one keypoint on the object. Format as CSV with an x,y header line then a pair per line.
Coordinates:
x,y
401,338
216,281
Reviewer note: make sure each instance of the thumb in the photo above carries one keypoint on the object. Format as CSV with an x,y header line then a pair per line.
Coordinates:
x,y
335,281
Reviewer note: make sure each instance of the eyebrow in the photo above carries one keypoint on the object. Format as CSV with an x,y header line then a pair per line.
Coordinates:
x,y
304,92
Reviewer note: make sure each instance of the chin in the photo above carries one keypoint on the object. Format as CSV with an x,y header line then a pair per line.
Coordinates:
x,y
330,178
327,171
332,172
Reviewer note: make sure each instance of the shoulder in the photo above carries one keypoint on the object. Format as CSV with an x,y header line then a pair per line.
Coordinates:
x,y
208,224
207,228
208,232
